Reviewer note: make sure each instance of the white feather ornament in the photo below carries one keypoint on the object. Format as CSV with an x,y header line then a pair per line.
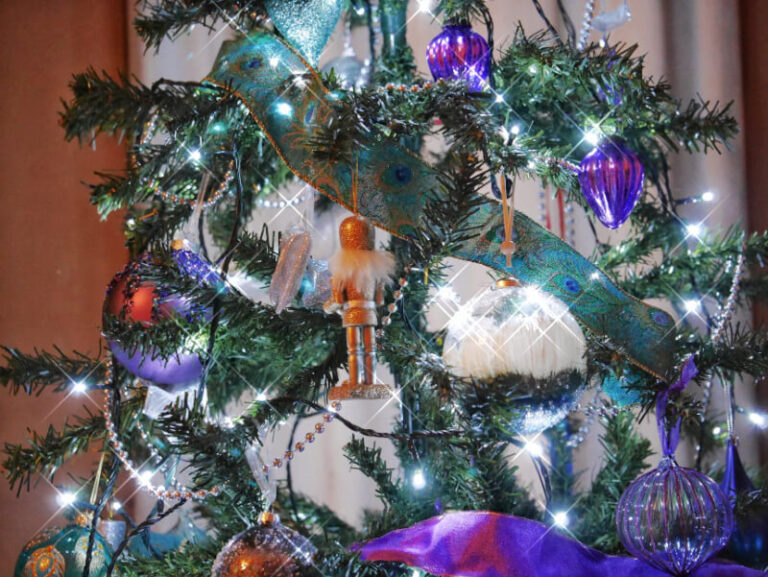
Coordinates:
x,y
522,338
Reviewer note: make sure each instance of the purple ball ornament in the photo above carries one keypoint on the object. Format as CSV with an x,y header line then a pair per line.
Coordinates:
x,y
459,52
672,517
133,299
611,178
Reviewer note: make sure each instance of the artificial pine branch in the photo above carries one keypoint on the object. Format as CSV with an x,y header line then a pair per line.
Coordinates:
x,y
41,370
625,455
44,454
161,19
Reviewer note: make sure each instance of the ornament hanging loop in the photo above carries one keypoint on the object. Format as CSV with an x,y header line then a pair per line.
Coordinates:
x,y
508,210
669,437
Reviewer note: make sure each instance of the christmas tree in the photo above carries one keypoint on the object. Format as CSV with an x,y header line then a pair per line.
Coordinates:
x,y
199,368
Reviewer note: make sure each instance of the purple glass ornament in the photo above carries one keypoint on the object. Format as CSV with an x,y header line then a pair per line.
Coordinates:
x,y
674,518
749,542
460,52
140,301
611,178
180,369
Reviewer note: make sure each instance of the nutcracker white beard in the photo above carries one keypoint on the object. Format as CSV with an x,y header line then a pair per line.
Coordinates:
x,y
361,268
538,338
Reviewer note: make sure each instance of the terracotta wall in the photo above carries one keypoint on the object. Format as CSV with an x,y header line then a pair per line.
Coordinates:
x,y
754,51
56,256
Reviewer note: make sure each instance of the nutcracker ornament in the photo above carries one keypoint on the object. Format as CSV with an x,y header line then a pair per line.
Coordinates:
x,y
358,275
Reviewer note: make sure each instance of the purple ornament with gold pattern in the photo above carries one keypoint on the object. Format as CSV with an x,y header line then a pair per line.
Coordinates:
x,y
611,178
459,52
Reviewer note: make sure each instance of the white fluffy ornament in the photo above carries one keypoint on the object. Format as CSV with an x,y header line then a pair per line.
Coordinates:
x,y
522,338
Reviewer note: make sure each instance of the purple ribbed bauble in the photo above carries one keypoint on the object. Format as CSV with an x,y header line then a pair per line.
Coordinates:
x,y
674,518
611,178
460,52
134,300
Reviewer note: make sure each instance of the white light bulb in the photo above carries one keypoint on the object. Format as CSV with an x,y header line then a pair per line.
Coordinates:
x,y
592,136
534,296
758,419
261,397
716,431
561,518
534,449
499,98
446,293
695,229
532,69
116,505
66,499
274,61
194,155
515,129
284,108
146,477
79,387
425,5
691,305
595,275
417,480
708,196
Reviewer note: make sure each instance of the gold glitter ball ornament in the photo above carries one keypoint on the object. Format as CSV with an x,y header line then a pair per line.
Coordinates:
x,y
268,549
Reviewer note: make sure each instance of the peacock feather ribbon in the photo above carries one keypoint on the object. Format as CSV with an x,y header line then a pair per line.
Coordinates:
x,y
287,99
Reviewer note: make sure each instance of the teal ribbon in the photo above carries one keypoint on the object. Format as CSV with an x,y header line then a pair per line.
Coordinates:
x,y
393,187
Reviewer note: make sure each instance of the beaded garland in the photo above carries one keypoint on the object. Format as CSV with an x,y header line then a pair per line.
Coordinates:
x,y
147,133
177,490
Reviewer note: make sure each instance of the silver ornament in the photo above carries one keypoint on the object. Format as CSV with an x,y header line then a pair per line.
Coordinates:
x,y
612,19
316,284
351,72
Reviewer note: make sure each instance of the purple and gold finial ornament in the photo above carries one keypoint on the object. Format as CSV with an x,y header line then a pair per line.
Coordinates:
x,y
459,52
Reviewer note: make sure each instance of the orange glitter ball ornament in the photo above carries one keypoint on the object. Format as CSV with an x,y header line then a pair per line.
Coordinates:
x,y
267,550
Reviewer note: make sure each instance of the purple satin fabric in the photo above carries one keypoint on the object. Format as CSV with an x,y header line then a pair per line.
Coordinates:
x,y
484,544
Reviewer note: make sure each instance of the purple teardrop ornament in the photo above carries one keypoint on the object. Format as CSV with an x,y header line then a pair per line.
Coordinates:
x,y
460,52
611,178
749,542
